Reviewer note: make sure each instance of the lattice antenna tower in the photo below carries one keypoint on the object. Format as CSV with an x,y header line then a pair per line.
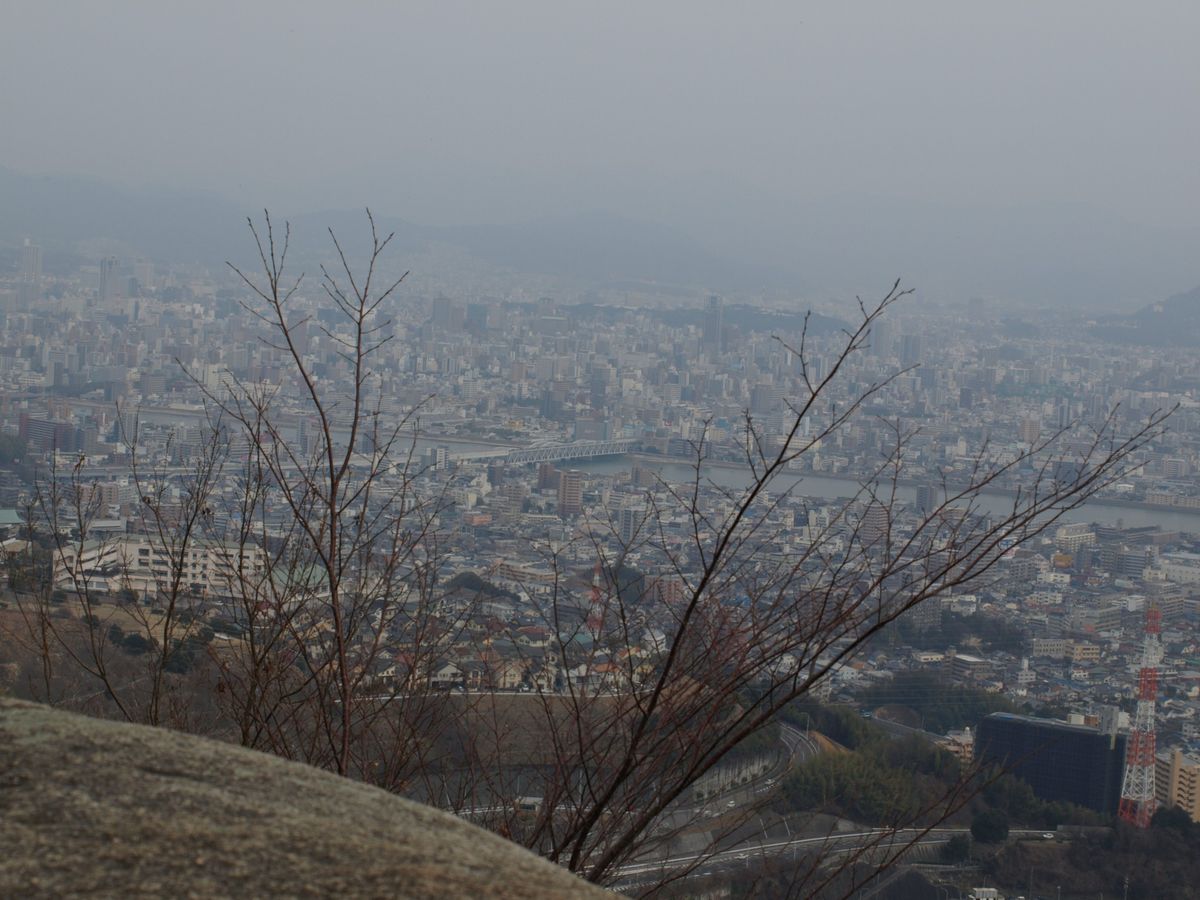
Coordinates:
x,y
1137,790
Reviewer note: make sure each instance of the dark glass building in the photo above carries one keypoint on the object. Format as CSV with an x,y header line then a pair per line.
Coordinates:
x,y
1074,763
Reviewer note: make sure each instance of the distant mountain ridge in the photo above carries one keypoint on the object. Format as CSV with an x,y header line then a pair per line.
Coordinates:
x,y
63,213
1174,322
60,213
741,242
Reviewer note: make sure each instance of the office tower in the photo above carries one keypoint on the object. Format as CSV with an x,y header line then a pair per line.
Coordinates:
x,y
602,377
477,318
50,434
108,280
547,476
714,325
448,314
554,397
912,350
883,338
765,398
929,497
29,288
1058,761
1062,414
630,523
570,493
143,276
1029,429
31,262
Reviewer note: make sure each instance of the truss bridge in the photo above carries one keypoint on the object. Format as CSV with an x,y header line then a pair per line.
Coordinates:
x,y
576,450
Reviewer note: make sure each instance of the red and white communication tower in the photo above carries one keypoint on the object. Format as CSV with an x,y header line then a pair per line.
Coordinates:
x,y
1137,790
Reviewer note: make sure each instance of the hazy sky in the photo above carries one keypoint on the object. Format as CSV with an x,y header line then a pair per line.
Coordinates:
x,y
737,121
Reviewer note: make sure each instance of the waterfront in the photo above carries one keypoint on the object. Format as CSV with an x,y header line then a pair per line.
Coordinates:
x,y
1108,511
824,487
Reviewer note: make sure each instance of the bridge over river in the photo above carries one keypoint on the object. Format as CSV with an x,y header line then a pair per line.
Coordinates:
x,y
462,448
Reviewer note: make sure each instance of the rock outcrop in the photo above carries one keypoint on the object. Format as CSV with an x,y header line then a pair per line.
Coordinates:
x,y
107,809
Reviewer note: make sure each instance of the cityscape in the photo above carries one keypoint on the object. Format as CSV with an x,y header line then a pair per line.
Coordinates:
x,y
684,452
551,439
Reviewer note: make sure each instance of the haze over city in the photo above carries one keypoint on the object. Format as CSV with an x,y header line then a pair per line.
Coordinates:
x,y
1016,152
475,450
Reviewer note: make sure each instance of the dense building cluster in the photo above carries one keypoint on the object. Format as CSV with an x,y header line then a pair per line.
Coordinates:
x,y
555,431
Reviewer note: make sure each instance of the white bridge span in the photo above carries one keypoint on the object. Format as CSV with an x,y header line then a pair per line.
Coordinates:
x,y
577,450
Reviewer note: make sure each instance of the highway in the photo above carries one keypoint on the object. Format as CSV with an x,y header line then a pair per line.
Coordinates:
x,y
645,873
689,817
683,814
877,839
799,744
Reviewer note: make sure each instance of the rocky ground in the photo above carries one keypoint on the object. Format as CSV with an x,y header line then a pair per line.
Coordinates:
x,y
106,809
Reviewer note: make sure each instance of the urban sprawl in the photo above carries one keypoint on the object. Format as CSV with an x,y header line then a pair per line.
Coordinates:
x,y
552,428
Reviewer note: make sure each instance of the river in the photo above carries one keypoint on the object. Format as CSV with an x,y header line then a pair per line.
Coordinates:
x,y
825,487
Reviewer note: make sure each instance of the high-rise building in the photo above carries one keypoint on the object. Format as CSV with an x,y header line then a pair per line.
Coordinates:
x,y
1071,537
1075,763
1062,414
143,275
883,338
765,397
602,384
929,497
31,262
912,350
510,499
108,280
29,288
437,458
570,493
477,318
874,523
714,325
1177,781
630,522
1029,429
49,434
302,435
547,476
